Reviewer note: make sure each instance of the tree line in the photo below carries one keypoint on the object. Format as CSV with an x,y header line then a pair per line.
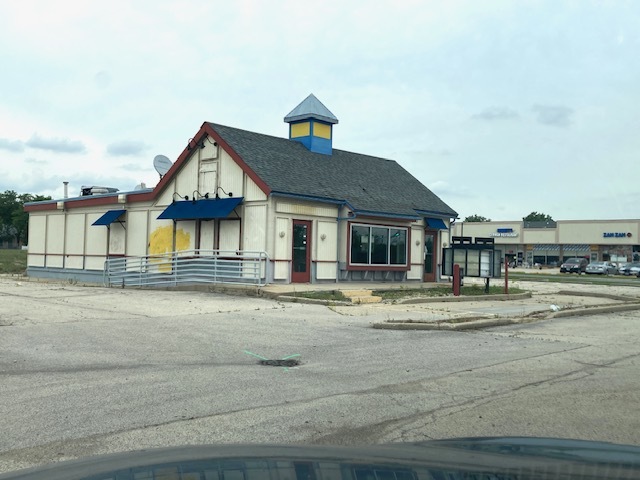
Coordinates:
x,y
532,217
14,221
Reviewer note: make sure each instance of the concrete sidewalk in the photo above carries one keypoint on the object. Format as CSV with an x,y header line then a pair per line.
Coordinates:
x,y
545,299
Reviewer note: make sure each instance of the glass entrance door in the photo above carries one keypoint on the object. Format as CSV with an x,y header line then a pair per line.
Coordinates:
x,y
429,257
301,254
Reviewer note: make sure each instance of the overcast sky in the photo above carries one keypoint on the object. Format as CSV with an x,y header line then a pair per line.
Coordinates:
x,y
500,107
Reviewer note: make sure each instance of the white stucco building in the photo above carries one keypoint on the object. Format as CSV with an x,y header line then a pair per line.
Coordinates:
x,y
318,214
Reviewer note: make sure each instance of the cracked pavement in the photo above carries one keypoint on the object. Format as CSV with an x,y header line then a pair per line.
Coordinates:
x,y
88,370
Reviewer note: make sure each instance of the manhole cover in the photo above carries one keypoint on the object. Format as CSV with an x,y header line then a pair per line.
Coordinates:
x,y
290,362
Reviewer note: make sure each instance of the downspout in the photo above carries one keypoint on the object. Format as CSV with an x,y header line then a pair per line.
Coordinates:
x,y
338,219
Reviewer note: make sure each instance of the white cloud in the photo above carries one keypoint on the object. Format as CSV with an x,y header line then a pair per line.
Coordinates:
x,y
56,145
11,145
126,148
496,113
410,80
554,115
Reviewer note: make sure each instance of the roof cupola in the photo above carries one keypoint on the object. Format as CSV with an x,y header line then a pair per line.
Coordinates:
x,y
311,123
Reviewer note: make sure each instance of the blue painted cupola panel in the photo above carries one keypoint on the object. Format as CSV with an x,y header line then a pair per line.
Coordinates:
x,y
311,123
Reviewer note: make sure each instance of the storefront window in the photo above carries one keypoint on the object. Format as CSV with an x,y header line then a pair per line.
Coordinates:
x,y
398,246
359,244
378,245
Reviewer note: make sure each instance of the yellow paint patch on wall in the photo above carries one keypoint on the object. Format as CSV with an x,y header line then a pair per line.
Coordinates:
x,y
300,130
321,130
183,240
161,242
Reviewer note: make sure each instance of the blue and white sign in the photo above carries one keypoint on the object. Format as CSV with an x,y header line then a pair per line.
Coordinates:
x,y
616,235
504,232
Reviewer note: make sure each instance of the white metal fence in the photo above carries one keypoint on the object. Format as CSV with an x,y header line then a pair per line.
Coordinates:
x,y
188,267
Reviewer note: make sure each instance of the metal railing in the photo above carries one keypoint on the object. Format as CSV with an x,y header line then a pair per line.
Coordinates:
x,y
188,267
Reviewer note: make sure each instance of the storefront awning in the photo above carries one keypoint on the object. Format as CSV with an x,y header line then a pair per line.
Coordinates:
x,y
576,248
436,223
204,209
109,217
546,247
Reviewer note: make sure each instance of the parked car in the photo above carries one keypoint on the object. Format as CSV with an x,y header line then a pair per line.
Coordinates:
x,y
574,265
630,269
602,268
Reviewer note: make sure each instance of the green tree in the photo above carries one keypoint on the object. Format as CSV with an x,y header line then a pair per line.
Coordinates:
x,y
476,218
14,221
8,205
537,217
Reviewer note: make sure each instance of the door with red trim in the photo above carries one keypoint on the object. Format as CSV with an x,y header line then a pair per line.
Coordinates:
x,y
301,253
430,256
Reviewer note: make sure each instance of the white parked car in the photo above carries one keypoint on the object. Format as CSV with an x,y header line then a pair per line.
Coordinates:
x,y
602,268
630,269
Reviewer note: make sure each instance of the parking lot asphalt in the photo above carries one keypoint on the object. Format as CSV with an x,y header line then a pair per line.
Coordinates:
x,y
90,370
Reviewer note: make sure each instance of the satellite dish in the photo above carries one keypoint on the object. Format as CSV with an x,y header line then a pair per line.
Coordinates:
x,y
138,187
162,164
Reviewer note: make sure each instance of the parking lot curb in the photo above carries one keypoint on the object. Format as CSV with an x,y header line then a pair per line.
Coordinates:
x,y
474,323
461,324
579,312
610,296
313,301
466,298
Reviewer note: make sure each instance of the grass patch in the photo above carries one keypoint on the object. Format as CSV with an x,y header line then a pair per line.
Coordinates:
x,y
471,290
331,295
629,281
13,260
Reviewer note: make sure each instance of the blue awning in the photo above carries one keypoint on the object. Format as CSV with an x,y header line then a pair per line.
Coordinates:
x,y
204,209
109,217
436,223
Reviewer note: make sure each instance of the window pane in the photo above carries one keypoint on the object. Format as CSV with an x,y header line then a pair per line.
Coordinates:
x,y
364,474
428,253
233,475
404,476
299,248
359,244
473,263
385,475
398,246
379,246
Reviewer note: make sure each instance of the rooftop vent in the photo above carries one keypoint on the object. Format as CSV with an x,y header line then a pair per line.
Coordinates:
x,y
95,190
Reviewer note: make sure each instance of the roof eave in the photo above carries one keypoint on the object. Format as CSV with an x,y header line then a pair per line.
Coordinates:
x,y
372,213
322,118
434,213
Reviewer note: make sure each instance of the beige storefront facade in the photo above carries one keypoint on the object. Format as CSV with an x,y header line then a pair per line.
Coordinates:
x,y
531,243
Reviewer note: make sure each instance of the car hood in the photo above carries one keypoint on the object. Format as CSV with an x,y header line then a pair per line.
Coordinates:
x,y
503,457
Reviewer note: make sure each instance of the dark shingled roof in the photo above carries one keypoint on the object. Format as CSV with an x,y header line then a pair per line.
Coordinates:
x,y
368,184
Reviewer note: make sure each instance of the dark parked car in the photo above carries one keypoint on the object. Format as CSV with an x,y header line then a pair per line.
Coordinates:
x,y
574,265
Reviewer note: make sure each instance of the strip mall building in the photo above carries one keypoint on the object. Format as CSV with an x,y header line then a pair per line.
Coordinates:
x,y
550,243
317,213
